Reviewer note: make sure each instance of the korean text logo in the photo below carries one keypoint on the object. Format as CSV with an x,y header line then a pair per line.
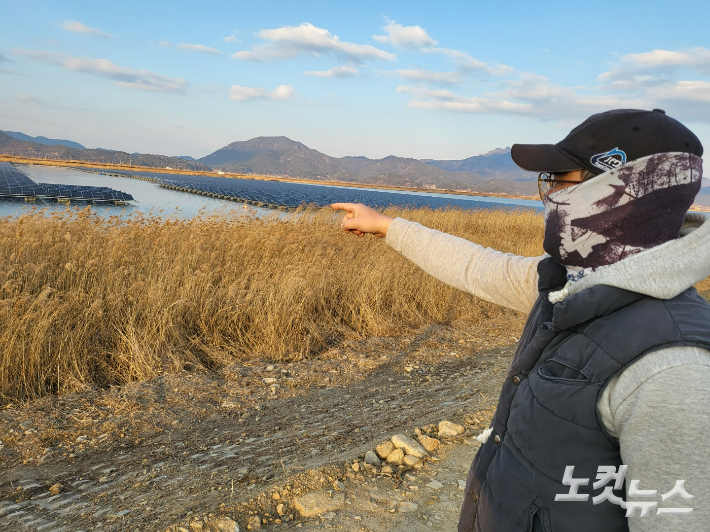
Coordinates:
x,y
605,474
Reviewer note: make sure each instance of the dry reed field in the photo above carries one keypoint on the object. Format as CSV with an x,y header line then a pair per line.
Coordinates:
x,y
88,301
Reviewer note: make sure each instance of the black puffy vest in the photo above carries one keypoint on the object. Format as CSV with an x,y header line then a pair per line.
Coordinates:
x,y
546,417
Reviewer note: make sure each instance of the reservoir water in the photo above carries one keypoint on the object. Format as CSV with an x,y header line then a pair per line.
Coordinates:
x,y
154,200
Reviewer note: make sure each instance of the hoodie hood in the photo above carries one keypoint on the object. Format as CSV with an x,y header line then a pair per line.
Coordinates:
x,y
662,272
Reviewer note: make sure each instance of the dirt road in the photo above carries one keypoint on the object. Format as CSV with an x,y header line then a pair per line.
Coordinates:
x,y
167,453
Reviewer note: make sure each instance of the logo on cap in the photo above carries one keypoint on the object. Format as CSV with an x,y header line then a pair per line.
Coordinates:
x,y
610,160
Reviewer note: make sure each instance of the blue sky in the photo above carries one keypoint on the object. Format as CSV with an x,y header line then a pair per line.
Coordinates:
x,y
436,80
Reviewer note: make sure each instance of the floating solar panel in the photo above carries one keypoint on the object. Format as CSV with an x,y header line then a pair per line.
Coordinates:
x,y
284,194
13,182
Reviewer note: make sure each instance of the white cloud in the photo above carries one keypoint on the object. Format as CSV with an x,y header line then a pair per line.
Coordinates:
x,y
407,37
4,59
467,63
530,95
688,91
646,69
199,48
289,41
448,101
554,100
471,64
668,59
420,74
77,27
642,81
654,78
631,83
231,39
103,68
448,52
336,72
244,94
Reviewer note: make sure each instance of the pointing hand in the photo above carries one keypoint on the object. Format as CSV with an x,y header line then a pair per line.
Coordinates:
x,y
360,219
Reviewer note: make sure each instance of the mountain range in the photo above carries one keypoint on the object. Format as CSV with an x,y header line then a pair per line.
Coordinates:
x,y
64,149
492,172
44,140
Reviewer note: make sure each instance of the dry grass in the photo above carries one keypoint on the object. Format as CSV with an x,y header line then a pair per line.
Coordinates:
x,y
90,301
85,300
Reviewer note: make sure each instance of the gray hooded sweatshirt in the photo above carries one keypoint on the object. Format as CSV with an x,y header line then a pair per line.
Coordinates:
x,y
659,407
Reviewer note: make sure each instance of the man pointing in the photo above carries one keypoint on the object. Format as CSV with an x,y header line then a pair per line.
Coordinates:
x,y
603,418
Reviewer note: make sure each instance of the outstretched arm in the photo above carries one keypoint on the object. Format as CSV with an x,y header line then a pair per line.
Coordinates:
x,y
501,278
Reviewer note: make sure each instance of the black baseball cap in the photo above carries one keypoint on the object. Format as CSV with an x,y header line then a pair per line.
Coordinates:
x,y
608,140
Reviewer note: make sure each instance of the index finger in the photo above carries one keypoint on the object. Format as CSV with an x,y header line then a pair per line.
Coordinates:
x,y
349,207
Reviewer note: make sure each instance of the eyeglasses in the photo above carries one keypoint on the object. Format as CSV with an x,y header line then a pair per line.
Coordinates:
x,y
546,181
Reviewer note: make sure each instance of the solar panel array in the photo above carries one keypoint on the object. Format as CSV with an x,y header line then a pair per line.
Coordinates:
x,y
279,193
15,183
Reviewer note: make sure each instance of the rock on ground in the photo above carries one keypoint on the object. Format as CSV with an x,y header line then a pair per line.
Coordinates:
x,y
429,444
384,449
400,441
371,458
410,460
319,502
217,524
396,457
448,428
225,524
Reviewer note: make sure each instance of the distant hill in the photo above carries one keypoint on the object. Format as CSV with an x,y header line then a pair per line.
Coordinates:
x,y
44,140
414,168
496,164
13,146
703,197
492,172
284,157
276,156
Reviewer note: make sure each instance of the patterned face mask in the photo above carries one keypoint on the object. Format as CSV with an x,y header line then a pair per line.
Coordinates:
x,y
621,212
